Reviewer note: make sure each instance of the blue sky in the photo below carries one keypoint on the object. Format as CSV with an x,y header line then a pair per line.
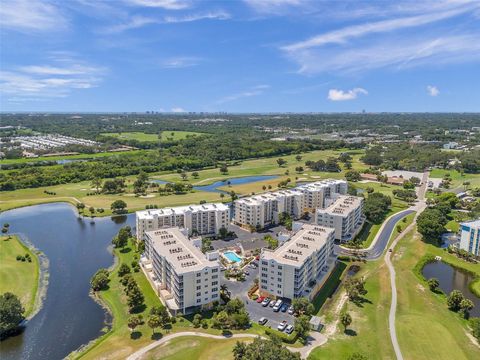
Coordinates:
x,y
239,56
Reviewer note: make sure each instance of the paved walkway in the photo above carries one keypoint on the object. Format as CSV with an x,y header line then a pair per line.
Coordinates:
x,y
315,339
393,306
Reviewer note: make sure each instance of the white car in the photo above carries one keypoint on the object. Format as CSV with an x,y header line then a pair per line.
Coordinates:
x,y
289,329
290,310
282,325
277,305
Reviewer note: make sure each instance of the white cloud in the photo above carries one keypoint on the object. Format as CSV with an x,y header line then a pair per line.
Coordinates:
x,y
164,4
180,62
254,91
387,43
178,110
48,81
138,21
432,90
31,15
276,7
215,15
340,95
356,31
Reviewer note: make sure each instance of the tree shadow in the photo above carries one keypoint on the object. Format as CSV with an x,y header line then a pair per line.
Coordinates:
x,y
125,250
227,333
156,336
360,301
138,309
135,335
350,332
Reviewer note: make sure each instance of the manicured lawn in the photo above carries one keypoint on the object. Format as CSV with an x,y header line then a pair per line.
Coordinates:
x,y
457,178
194,348
18,277
165,135
370,326
425,327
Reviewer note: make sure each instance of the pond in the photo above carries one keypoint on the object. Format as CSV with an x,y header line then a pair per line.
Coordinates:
x,y
76,249
234,181
451,278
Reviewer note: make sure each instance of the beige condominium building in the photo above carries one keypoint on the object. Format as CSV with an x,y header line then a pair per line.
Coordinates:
x,y
344,214
299,267
265,209
206,219
184,277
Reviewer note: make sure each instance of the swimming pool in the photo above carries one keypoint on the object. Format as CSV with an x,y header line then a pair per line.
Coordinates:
x,y
230,255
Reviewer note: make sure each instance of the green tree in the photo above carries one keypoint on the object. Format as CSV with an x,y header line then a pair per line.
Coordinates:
x,y
118,206
123,270
300,305
357,356
353,176
97,183
281,162
100,280
346,320
154,322
433,284
11,313
431,225
466,305
302,326
298,157
239,350
454,300
475,327
135,298
133,322
196,322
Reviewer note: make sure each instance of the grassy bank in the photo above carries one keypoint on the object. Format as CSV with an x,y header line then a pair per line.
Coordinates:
x,y
368,333
18,277
421,313
145,137
192,347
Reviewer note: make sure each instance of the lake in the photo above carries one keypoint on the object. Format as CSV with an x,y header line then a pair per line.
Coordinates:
x,y
451,278
76,249
234,181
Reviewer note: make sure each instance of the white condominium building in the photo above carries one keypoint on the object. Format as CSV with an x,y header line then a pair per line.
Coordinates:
x,y
470,237
264,209
295,268
317,192
184,277
344,215
206,219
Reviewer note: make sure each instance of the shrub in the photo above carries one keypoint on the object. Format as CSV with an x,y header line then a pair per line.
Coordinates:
x,y
287,339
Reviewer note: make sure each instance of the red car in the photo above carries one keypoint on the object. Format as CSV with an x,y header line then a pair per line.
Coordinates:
x,y
260,299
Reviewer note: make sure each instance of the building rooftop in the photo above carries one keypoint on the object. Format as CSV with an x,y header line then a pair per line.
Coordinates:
x,y
320,184
473,223
179,251
309,239
269,196
180,210
343,205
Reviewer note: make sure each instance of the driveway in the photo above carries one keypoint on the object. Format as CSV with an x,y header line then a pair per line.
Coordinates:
x,y
240,289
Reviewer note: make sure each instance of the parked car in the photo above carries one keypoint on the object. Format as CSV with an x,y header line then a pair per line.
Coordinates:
x,y
290,310
277,305
260,299
265,302
263,321
282,325
272,303
246,272
284,308
289,329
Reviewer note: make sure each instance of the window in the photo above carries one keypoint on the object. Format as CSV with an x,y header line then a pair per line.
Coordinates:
x,y
199,294
199,287
199,300
214,295
214,283
199,274
214,289
214,276
214,270
199,281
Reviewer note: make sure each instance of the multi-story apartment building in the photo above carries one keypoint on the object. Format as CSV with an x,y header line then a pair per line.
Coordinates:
x,y
345,215
206,219
470,237
297,268
265,209
316,193
184,277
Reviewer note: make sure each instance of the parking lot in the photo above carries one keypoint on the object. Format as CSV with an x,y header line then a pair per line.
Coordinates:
x,y
240,289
